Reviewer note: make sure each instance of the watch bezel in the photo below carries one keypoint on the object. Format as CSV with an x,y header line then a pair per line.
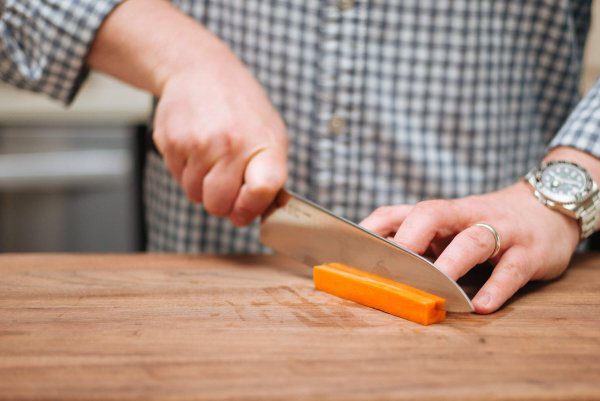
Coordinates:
x,y
576,198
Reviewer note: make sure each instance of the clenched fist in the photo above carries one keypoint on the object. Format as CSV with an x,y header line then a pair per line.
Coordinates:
x,y
221,138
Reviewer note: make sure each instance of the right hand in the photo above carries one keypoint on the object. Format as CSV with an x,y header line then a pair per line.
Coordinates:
x,y
221,138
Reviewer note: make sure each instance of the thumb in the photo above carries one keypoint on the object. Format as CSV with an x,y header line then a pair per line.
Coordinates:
x,y
265,175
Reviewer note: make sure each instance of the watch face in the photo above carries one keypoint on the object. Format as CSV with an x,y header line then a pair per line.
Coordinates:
x,y
563,182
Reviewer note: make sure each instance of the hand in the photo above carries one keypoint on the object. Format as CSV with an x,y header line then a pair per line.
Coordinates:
x,y
221,138
536,242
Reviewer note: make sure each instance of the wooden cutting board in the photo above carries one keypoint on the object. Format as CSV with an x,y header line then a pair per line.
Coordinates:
x,y
253,328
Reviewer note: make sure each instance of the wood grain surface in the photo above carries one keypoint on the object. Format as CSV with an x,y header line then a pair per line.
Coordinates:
x,y
145,327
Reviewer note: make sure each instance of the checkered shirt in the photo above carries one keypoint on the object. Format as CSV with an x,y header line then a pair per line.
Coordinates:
x,y
386,101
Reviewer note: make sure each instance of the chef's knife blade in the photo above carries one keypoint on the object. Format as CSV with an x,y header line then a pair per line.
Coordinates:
x,y
311,234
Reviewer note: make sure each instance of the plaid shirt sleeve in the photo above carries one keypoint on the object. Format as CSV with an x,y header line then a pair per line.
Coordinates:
x,y
44,43
582,128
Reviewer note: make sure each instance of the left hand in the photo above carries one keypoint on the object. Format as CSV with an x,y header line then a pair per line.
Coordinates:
x,y
536,242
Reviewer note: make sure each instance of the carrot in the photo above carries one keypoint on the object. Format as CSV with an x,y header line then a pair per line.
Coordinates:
x,y
380,293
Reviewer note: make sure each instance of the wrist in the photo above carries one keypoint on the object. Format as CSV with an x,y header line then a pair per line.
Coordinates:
x,y
590,163
569,226
201,52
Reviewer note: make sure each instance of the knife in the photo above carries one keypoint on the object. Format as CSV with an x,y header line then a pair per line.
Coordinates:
x,y
303,230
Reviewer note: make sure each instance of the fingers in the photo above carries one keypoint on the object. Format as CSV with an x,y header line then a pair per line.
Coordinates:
x,y
426,221
189,158
470,247
528,233
218,185
174,160
176,166
222,185
192,176
384,221
264,176
512,272
214,173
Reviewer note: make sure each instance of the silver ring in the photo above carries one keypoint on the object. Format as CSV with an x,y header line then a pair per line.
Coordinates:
x,y
496,237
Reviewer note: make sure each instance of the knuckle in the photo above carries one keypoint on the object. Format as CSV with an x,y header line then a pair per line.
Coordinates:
x,y
433,206
518,274
533,265
198,142
265,187
222,143
229,143
164,142
479,240
175,144
451,262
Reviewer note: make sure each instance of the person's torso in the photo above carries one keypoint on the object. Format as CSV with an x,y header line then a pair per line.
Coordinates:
x,y
398,101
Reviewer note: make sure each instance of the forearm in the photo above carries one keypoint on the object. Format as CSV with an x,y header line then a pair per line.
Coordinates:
x,y
214,125
143,42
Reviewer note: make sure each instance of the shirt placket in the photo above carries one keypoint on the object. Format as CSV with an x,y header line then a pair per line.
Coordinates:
x,y
331,111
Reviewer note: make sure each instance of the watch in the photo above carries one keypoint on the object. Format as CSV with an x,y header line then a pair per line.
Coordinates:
x,y
569,189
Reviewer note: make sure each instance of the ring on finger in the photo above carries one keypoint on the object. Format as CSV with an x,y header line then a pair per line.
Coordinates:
x,y
496,237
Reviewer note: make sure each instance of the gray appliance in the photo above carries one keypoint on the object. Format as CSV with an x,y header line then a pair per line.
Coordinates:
x,y
69,188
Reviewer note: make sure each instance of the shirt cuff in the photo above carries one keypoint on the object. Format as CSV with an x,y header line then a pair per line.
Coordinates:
x,y
44,44
582,128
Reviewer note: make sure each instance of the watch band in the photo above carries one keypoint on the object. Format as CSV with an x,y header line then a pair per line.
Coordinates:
x,y
588,215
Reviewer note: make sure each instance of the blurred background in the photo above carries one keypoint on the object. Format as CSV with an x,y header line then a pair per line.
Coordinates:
x,y
70,179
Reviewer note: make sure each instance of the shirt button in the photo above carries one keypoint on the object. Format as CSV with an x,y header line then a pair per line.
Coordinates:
x,y
344,5
337,125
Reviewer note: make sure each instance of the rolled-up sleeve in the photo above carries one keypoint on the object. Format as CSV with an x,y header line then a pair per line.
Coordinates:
x,y
582,128
44,43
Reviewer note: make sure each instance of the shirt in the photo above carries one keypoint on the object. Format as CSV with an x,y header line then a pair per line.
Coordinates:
x,y
386,102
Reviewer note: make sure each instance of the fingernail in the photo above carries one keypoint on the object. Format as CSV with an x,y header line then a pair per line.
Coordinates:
x,y
483,299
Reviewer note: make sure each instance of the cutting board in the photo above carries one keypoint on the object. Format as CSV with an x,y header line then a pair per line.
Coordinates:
x,y
75,327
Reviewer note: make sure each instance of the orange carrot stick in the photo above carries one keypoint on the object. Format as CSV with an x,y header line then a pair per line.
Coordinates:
x,y
380,293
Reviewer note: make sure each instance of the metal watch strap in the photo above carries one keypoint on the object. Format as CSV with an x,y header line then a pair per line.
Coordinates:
x,y
588,215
